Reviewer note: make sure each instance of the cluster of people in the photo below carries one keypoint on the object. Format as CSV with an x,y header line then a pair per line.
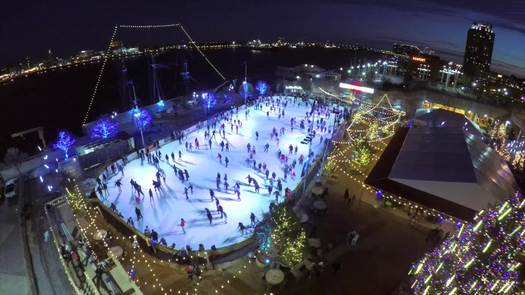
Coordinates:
x,y
215,132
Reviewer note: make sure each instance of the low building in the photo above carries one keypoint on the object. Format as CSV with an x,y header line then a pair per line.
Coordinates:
x,y
442,163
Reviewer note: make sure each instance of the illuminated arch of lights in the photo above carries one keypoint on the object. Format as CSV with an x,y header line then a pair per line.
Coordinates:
x,y
374,122
107,55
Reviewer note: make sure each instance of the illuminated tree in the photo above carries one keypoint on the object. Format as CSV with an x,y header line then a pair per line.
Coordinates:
x,y
141,118
373,131
246,89
288,237
361,154
208,99
261,87
479,258
64,142
104,128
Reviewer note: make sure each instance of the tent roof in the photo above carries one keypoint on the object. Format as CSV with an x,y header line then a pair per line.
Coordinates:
x,y
444,157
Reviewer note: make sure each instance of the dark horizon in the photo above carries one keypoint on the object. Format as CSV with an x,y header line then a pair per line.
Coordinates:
x,y
67,28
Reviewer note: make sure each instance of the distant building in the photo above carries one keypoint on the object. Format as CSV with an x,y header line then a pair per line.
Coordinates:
x,y
478,51
415,64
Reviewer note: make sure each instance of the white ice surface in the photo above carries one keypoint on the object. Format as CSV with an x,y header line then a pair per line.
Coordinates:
x,y
164,212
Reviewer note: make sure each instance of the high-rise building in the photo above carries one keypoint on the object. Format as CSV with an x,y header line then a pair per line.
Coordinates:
x,y
478,51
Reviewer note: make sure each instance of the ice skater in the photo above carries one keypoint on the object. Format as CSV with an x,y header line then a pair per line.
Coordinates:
x,y
241,227
253,219
208,214
182,224
212,194
118,184
221,211
138,213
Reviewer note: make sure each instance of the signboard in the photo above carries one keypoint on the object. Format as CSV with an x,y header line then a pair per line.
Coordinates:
x,y
357,88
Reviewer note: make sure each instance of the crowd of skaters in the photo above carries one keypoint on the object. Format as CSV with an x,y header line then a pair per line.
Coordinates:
x,y
216,133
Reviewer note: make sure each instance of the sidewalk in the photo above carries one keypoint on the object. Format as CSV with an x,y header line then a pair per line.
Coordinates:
x,y
386,248
14,277
49,274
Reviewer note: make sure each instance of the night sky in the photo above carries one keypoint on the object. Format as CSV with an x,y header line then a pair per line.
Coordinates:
x,y
29,28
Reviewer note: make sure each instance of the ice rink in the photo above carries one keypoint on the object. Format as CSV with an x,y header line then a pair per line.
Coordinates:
x,y
164,211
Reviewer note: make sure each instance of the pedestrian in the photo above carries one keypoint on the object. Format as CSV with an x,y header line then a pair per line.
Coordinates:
x,y
347,197
186,174
186,192
151,195
180,155
191,188
221,211
226,161
253,219
212,194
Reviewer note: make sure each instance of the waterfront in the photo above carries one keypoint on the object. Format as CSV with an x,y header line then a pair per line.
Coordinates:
x,y
60,98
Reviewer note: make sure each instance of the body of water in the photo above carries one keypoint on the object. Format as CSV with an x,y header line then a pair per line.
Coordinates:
x,y
59,99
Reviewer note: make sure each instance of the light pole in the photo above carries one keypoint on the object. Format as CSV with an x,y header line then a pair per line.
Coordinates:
x,y
245,83
139,123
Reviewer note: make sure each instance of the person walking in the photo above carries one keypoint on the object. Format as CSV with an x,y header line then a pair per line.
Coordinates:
x,y
186,192
347,196
253,219
150,195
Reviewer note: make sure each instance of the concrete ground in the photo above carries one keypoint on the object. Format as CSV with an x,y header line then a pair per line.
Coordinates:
x,y
14,276
387,246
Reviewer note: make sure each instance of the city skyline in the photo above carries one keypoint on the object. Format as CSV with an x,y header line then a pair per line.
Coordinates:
x,y
68,29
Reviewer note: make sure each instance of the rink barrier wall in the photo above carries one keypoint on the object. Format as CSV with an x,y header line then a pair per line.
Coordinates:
x,y
166,253
162,252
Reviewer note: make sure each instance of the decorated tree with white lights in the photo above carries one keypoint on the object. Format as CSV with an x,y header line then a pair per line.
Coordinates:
x,y
373,131
288,237
361,154
479,258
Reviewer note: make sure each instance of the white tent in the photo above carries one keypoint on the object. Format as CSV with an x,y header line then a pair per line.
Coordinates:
x,y
443,163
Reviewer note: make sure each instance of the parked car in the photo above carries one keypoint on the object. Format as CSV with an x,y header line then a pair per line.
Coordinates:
x,y
10,189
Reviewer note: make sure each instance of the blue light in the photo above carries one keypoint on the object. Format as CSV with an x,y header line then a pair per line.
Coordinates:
x,y
262,88
379,195
208,98
64,142
104,128
141,118
160,103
